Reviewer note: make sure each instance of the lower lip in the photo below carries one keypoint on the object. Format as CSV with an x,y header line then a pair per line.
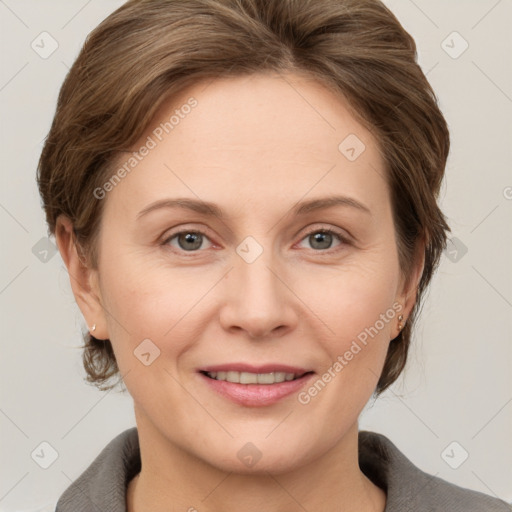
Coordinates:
x,y
256,395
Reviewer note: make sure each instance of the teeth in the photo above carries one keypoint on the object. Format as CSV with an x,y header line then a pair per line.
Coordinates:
x,y
232,377
252,378
247,378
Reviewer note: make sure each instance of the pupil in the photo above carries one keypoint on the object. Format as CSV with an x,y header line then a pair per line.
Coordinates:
x,y
193,241
323,238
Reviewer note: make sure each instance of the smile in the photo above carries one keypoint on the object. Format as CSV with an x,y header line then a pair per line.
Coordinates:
x,y
255,386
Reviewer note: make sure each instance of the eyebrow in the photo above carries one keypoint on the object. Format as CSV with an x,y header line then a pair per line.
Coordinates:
x,y
210,209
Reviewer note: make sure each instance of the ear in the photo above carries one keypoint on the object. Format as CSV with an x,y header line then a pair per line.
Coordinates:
x,y
408,291
83,280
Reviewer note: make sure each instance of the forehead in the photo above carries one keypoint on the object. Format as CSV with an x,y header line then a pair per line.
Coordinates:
x,y
243,138
260,112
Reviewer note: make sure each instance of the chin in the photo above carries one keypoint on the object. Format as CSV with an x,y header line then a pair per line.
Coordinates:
x,y
261,457
275,464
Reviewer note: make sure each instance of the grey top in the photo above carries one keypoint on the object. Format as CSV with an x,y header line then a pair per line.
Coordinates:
x,y
102,486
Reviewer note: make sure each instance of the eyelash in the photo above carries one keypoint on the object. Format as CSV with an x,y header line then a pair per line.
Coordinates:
x,y
329,231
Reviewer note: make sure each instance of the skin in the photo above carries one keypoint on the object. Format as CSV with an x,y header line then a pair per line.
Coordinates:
x,y
254,147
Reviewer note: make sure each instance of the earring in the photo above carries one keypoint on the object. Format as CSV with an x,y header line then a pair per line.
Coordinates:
x,y
400,325
93,328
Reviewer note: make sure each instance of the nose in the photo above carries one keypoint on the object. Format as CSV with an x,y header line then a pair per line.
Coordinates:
x,y
258,299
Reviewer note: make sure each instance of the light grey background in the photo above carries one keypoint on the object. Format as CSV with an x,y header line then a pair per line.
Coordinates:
x,y
458,384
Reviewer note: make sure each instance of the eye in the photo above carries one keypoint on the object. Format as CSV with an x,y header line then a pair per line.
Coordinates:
x,y
188,240
321,239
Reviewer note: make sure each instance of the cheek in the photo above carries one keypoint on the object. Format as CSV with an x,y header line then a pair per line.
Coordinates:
x,y
355,355
149,302
356,304
351,299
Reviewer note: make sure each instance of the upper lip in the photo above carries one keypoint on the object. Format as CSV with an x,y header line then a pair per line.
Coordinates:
x,y
244,367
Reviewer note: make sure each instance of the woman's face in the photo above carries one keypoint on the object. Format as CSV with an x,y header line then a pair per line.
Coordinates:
x,y
255,285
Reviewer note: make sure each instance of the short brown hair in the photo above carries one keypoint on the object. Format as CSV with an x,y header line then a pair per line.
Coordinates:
x,y
148,50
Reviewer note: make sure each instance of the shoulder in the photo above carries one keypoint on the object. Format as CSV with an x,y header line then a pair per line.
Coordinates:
x,y
104,481
411,489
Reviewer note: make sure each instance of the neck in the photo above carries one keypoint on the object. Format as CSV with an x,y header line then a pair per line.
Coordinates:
x,y
172,477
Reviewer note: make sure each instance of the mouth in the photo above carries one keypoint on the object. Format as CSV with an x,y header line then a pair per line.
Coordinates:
x,y
252,386
254,378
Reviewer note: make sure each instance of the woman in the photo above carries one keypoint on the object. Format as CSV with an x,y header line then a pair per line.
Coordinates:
x,y
244,193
